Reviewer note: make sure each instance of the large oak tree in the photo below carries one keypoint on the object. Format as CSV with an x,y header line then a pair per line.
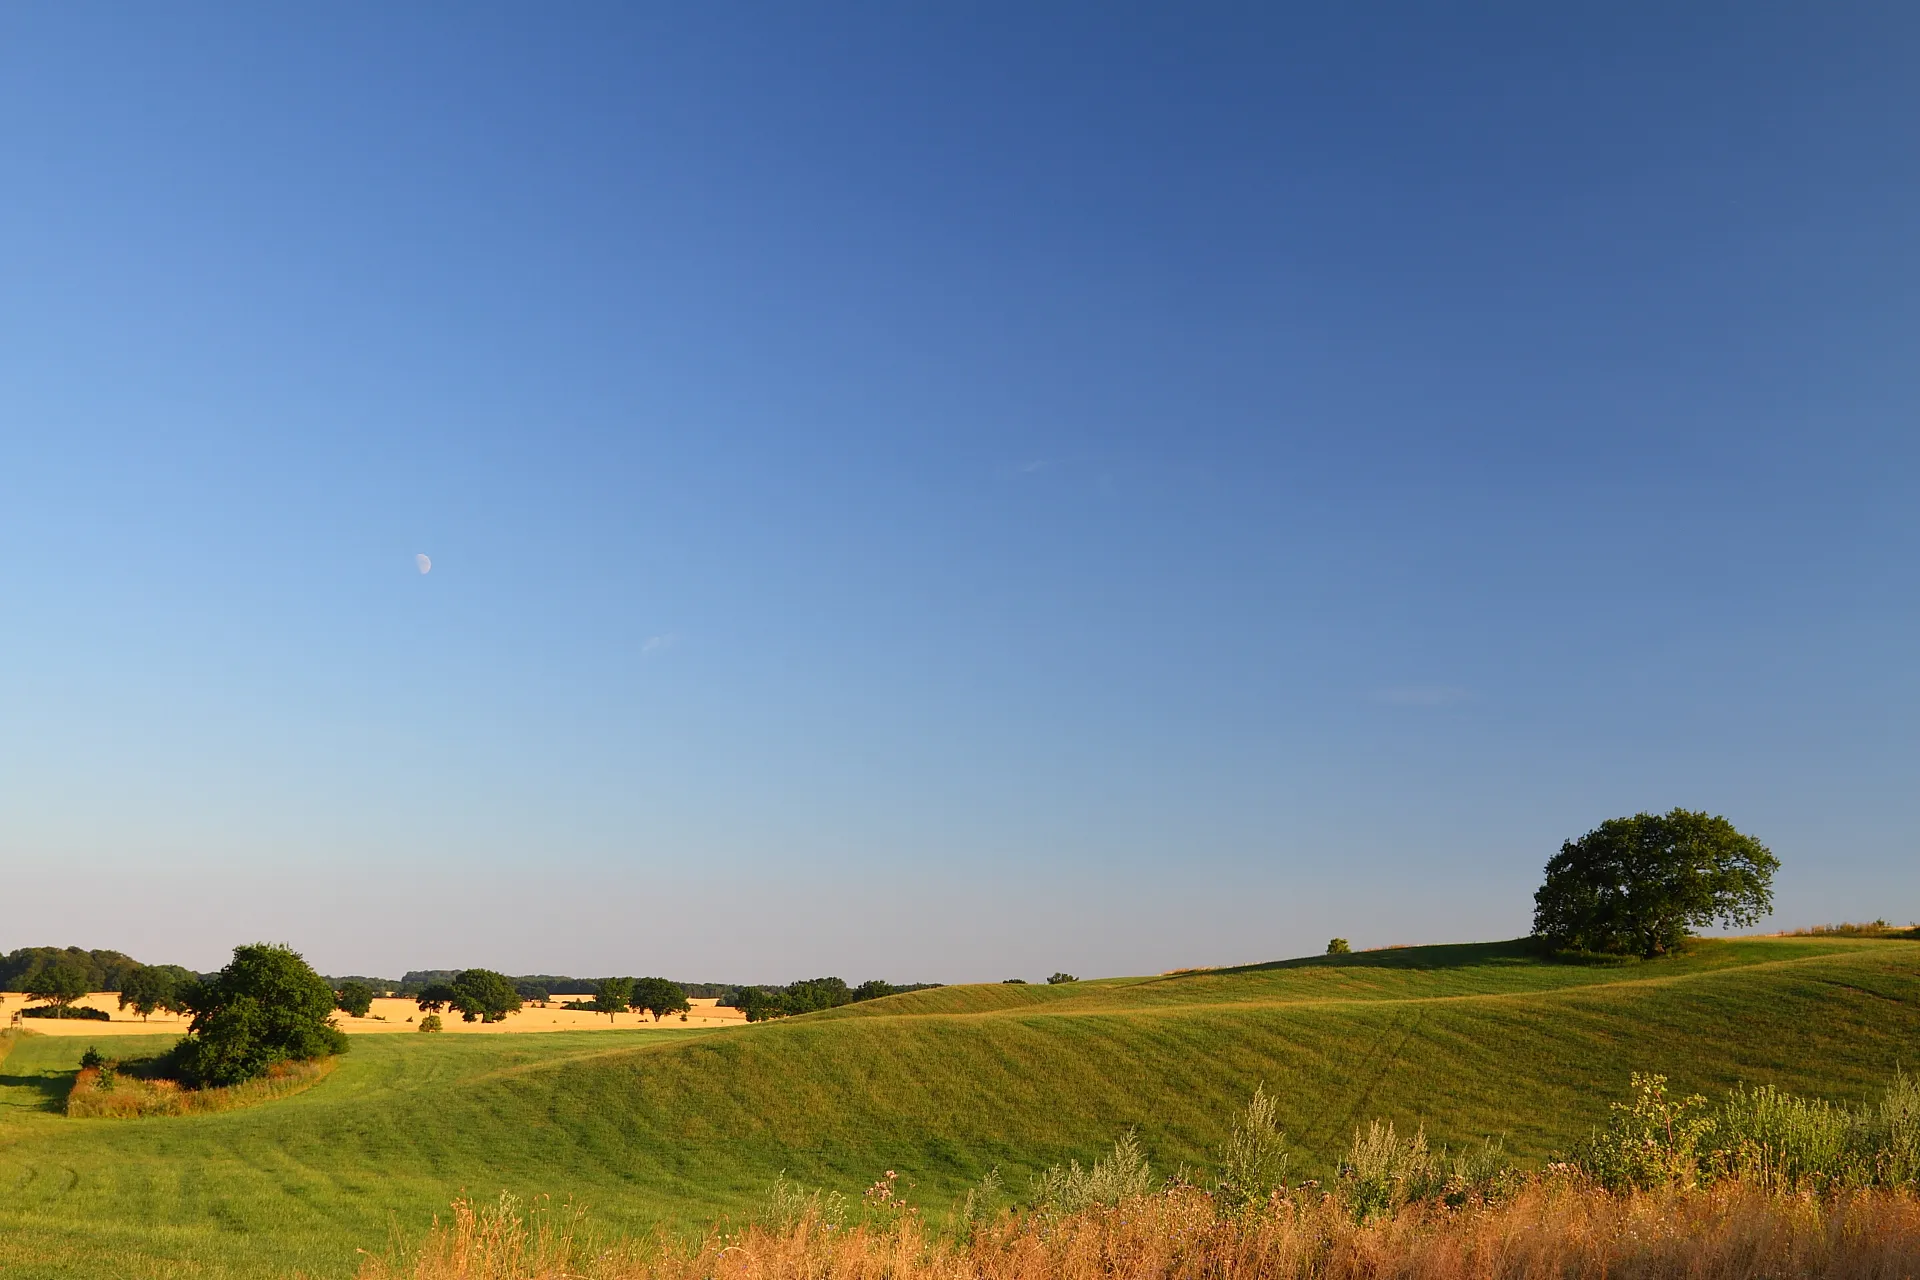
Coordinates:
x,y
1639,885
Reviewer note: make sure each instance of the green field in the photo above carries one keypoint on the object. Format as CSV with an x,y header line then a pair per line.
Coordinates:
x,y
683,1127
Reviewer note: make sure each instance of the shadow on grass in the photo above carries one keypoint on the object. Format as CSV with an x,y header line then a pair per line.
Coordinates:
x,y
1458,955
44,1092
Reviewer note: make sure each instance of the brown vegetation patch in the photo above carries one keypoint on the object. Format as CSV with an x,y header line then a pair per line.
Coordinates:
x,y
111,1093
1546,1229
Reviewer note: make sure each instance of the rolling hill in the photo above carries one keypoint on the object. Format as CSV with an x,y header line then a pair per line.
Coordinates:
x,y
940,1084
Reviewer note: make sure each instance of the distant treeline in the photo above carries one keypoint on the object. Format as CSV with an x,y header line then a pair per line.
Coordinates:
x,y
102,970
110,970
530,986
758,1002
761,1003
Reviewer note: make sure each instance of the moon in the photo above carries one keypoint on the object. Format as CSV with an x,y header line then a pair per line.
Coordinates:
x,y
426,565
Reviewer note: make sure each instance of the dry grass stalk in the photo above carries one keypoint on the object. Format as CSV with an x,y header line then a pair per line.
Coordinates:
x,y
1546,1230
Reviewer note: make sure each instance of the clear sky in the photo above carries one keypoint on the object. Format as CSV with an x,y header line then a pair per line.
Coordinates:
x,y
943,492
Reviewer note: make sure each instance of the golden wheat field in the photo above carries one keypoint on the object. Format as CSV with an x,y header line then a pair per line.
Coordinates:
x,y
387,1014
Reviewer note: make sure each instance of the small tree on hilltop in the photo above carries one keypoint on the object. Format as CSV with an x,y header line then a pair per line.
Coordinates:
x,y
267,1006
148,988
1339,947
354,998
1641,885
612,996
483,995
1061,979
59,984
658,997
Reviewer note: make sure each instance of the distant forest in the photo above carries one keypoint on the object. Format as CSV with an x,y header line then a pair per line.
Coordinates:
x,y
103,970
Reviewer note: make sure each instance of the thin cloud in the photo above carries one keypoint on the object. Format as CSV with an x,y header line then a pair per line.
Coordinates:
x,y
1422,695
657,644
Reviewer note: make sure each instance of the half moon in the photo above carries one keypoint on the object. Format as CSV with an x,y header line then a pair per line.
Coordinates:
x,y
426,565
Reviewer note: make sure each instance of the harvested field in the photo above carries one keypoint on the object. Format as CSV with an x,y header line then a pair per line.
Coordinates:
x,y
388,1014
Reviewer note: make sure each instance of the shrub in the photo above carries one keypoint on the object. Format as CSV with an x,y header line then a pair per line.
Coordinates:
x,y
92,1058
1338,947
79,1011
430,1023
265,1007
1651,1140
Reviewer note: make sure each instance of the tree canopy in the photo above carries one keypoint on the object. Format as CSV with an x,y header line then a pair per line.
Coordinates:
x,y
1640,885
103,970
658,997
354,998
59,984
481,995
762,1003
151,987
266,1006
612,996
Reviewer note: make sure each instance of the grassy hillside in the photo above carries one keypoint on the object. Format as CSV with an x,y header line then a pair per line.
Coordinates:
x,y
939,1084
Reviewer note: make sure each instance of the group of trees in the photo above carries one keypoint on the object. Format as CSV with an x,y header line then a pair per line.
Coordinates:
x,y
762,1003
477,995
99,970
62,980
656,996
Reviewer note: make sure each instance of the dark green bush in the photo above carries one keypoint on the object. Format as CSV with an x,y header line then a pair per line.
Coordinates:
x,y
267,1006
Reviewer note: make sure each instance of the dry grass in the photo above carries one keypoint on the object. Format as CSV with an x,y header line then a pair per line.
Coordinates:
x,y
123,1096
1546,1229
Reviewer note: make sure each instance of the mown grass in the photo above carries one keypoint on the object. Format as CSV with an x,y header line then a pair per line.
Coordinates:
x,y
941,1085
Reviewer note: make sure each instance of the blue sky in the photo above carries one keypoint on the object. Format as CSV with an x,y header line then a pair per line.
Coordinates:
x,y
943,495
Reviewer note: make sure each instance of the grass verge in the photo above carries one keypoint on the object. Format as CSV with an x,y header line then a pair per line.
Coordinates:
x,y
109,1093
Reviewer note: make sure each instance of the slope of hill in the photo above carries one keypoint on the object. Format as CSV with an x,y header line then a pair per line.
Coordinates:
x,y
940,1084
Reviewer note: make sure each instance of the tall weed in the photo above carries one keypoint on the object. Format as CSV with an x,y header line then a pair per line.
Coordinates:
x,y
1384,1171
1123,1175
1253,1163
